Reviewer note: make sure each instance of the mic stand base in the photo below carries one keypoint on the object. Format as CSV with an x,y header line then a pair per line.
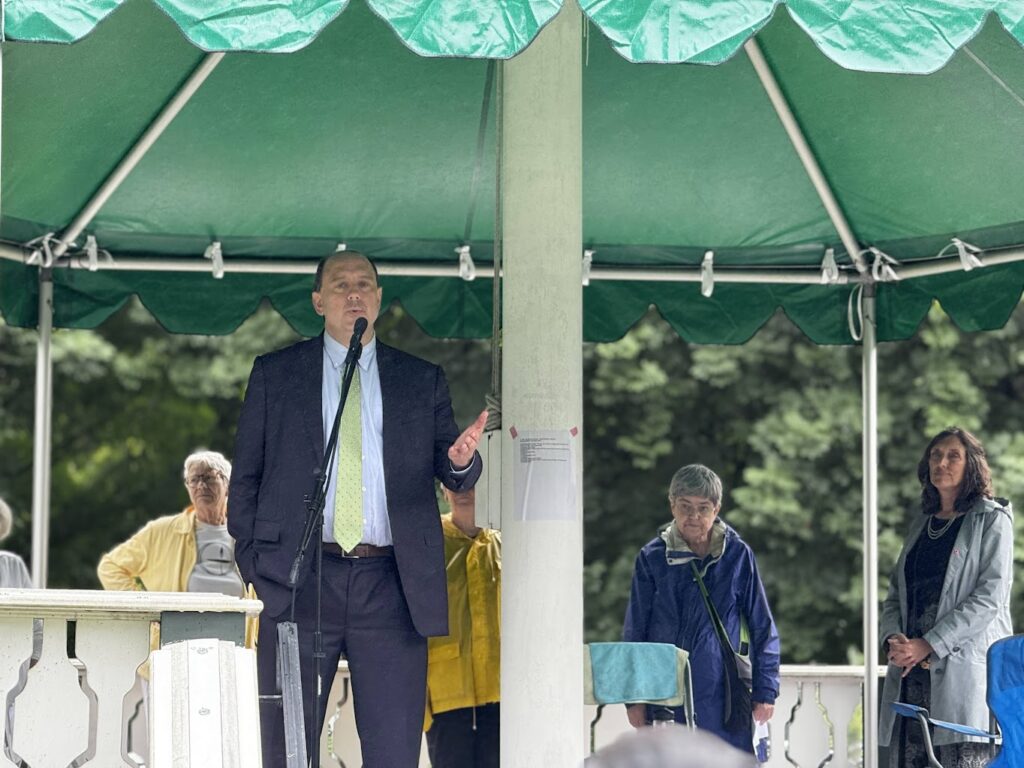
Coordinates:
x,y
290,684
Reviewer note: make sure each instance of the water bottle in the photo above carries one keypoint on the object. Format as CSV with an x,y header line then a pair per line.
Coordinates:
x,y
762,742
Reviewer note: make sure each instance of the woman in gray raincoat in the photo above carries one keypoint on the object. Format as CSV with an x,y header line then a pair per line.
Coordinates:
x,y
948,601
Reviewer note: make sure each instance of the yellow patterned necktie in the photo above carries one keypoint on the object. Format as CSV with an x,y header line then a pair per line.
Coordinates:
x,y
348,494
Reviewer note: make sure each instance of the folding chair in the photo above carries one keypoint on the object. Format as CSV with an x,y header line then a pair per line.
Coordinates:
x,y
636,673
1005,697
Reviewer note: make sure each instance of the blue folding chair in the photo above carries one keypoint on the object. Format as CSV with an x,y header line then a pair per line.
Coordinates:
x,y
1005,697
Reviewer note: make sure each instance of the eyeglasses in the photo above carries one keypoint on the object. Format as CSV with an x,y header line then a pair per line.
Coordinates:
x,y
685,509
196,480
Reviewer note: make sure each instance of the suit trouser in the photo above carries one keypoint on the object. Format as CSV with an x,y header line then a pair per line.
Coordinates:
x,y
466,738
366,619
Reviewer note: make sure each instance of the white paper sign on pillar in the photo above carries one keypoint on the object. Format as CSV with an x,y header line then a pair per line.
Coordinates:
x,y
545,473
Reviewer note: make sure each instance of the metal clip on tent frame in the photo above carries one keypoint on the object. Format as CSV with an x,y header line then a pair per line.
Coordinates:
x,y
829,268
214,253
968,254
92,254
882,268
42,251
467,269
707,274
588,262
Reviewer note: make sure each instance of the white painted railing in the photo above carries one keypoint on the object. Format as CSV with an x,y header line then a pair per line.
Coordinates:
x,y
67,706
820,704
87,692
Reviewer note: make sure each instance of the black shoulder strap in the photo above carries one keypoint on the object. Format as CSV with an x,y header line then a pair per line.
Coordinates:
x,y
723,637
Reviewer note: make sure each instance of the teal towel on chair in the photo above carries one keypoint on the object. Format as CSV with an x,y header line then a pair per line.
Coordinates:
x,y
629,672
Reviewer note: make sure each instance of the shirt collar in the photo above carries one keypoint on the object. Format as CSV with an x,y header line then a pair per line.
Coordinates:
x,y
677,552
337,352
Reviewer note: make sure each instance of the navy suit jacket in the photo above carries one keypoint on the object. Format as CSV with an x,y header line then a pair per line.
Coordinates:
x,y
280,443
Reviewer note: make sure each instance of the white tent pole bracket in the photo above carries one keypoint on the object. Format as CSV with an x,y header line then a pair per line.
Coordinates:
x,y
93,253
40,251
467,267
707,275
137,152
882,267
588,264
215,254
968,254
804,152
829,268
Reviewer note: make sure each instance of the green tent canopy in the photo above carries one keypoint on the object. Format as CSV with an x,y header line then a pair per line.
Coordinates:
x,y
381,135
871,35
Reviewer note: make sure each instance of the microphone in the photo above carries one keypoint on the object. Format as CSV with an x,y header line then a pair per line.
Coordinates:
x,y
358,331
355,345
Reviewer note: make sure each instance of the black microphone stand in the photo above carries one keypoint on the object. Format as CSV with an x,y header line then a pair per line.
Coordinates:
x,y
315,525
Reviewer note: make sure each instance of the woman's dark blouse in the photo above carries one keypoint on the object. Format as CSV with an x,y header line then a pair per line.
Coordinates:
x,y
925,571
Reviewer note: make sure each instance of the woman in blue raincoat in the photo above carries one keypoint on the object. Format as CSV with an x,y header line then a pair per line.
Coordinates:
x,y
666,605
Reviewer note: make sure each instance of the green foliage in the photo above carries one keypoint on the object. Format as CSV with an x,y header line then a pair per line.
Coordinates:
x,y
778,418
130,402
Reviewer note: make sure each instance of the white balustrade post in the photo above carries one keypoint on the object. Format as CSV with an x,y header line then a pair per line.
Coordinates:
x,y
55,718
15,650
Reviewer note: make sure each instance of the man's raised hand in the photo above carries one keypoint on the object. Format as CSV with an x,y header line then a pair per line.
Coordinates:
x,y
462,450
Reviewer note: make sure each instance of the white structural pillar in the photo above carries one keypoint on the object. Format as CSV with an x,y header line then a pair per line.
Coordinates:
x,y
542,569
869,372
42,438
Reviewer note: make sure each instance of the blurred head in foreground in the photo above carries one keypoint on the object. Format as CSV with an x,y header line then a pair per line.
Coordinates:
x,y
669,747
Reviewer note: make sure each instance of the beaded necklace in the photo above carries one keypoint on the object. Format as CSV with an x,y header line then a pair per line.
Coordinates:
x,y
937,534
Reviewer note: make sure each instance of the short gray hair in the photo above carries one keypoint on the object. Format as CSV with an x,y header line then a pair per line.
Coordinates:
x,y
211,459
696,480
6,520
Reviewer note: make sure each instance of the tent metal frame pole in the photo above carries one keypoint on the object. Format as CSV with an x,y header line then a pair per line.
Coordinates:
x,y
777,276
804,152
42,438
869,372
137,152
41,470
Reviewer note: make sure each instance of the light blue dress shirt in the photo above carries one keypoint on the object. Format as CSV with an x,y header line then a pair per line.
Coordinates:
x,y
376,525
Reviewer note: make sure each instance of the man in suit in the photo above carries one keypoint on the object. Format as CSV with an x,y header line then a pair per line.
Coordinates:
x,y
383,575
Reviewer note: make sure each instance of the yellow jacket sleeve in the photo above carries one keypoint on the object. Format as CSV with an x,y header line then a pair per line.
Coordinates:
x,y
119,568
